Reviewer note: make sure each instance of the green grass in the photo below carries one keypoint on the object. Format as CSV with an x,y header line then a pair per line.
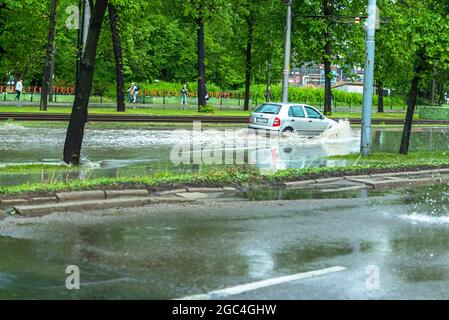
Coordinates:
x,y
179,112
138,111
375,115
123,125
243,175
34,168
396,159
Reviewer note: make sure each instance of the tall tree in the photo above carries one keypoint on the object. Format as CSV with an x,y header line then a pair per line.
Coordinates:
x,y
78,117
325,33
327,11
201,57
117,46
50,57
428,32
420,65
248,55
394,63
201,11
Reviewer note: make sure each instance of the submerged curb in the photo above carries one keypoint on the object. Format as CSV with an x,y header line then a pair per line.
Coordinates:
x,y
377,181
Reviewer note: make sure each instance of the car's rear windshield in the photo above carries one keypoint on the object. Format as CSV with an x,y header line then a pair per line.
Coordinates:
x,y
269,108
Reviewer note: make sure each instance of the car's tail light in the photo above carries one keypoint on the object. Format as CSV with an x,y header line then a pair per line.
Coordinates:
x,y
277,122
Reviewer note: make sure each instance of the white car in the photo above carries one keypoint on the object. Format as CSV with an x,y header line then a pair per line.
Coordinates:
x,y
280,117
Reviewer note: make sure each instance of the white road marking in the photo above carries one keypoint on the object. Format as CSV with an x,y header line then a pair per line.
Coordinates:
x,y
262,284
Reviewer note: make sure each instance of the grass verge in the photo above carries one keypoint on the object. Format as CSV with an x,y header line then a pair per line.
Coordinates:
x,y
34,168
178,112
243,175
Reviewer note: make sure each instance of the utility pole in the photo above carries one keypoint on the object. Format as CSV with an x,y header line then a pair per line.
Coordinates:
x,y
368,82
287,51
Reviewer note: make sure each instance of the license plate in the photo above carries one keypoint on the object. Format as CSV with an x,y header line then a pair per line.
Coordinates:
x,y
261,120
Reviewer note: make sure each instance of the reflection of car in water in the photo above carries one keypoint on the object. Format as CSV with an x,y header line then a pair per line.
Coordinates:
x,y
280,158
297,157
303,119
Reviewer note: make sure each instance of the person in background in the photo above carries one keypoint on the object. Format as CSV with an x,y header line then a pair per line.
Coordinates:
x,y
134,92
19,89
207,95
184,96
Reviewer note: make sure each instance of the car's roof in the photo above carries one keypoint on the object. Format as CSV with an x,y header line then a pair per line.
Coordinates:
x,y
287,104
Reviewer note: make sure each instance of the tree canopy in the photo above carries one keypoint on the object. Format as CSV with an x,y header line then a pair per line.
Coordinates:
x,y
159,40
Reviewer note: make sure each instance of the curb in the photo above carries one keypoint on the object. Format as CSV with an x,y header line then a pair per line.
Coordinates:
x,y
106,199
394,179
81,195
112,194
40,210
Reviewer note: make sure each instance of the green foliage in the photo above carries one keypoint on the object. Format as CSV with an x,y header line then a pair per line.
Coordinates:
x,y
206,109
34,168
159,44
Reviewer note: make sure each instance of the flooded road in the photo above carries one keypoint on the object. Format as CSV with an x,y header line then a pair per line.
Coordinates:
x,y
134,152
400,237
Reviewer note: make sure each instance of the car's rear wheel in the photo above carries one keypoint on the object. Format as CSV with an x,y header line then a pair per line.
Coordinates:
x,y
287,130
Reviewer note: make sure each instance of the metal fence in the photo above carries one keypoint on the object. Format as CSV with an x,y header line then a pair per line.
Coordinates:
x,y
163,99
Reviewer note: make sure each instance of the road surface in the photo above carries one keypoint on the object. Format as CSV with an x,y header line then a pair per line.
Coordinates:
x,y
386,246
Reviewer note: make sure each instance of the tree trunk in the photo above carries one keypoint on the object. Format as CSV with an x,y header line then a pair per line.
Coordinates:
x,y
269,62
327,80
201,65
268,84
432,91
380,97
51,90
249,47
50,56
411,104
2,7
442,93
327,63
118,59
78,118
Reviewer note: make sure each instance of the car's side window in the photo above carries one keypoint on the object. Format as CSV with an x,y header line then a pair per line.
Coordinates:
x,y
312,113
290,112
298,112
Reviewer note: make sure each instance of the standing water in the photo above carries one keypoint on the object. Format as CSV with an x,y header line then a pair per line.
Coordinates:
x,y
131,152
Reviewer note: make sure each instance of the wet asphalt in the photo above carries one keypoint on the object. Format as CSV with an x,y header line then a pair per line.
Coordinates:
x,y
393,246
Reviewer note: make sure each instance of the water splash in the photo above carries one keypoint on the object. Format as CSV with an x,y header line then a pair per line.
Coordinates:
x,y
8,126
340,132
416,218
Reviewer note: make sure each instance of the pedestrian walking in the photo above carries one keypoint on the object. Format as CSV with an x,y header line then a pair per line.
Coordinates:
x,y
184,96
207,95
19,89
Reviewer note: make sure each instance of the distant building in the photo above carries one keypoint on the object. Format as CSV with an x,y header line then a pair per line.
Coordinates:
x,y
313,75
348,86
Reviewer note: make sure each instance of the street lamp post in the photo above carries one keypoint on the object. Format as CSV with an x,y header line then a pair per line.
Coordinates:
x,y
287,50
368,82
